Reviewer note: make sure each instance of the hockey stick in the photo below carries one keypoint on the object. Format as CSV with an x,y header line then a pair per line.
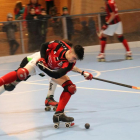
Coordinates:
x,y
120,84
99,33
115,83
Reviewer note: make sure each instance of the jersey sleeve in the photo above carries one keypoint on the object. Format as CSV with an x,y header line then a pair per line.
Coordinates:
x,y
68,66
55,73
46,46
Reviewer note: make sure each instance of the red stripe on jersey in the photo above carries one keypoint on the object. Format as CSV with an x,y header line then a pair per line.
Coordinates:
x,y
112,7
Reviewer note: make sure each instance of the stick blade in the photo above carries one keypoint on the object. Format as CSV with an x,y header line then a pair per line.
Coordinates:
x,y
138,88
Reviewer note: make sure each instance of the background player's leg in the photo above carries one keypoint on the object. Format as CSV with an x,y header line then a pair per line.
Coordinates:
x,y
101,56
119,32
125,43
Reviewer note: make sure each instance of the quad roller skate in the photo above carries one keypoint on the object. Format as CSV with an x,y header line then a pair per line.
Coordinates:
x,y
50,103
128,55
101,57
60,116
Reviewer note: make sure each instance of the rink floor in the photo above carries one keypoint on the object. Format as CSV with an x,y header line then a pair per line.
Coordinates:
x,y
112,111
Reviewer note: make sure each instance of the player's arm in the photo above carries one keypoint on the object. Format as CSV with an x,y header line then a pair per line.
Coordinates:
x,y
75,69
87,75
47,46
111,8
54,73
43,49
112,16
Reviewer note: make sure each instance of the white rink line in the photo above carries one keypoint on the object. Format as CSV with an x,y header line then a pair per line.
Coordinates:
x,y
121,69
12,92
7,69
115,69
94,71
39,80
77,87
108,90
110,53
48,84
98,73
90,88
36,84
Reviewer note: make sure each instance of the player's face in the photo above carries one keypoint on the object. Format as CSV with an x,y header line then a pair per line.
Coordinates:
x,y
43,13
10,18
32,12
65,12
72,56
34,1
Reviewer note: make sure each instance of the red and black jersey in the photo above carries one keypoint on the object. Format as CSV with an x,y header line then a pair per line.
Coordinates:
x,y
54,54
112,7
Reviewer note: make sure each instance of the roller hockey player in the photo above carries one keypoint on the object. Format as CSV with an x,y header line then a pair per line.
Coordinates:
x,y
113,25
55,59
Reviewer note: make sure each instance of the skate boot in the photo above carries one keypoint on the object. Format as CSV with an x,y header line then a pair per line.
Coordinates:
x,y
101,57
50,103
128,55
60,116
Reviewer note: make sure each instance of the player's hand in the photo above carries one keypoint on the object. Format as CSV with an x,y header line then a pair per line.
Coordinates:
x,y
41,60
105,26
87,75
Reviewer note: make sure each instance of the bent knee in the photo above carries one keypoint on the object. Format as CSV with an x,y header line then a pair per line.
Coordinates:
x,y
69,87
103,38
121,38
72,89
22,73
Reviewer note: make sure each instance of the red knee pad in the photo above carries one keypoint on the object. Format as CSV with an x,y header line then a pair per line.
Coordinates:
x,y
69,87
72,89
22,73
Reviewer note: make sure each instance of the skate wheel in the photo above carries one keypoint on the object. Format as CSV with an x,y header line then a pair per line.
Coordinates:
x,y
128,58
56,125
47,108
67,125
102,60
54,108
